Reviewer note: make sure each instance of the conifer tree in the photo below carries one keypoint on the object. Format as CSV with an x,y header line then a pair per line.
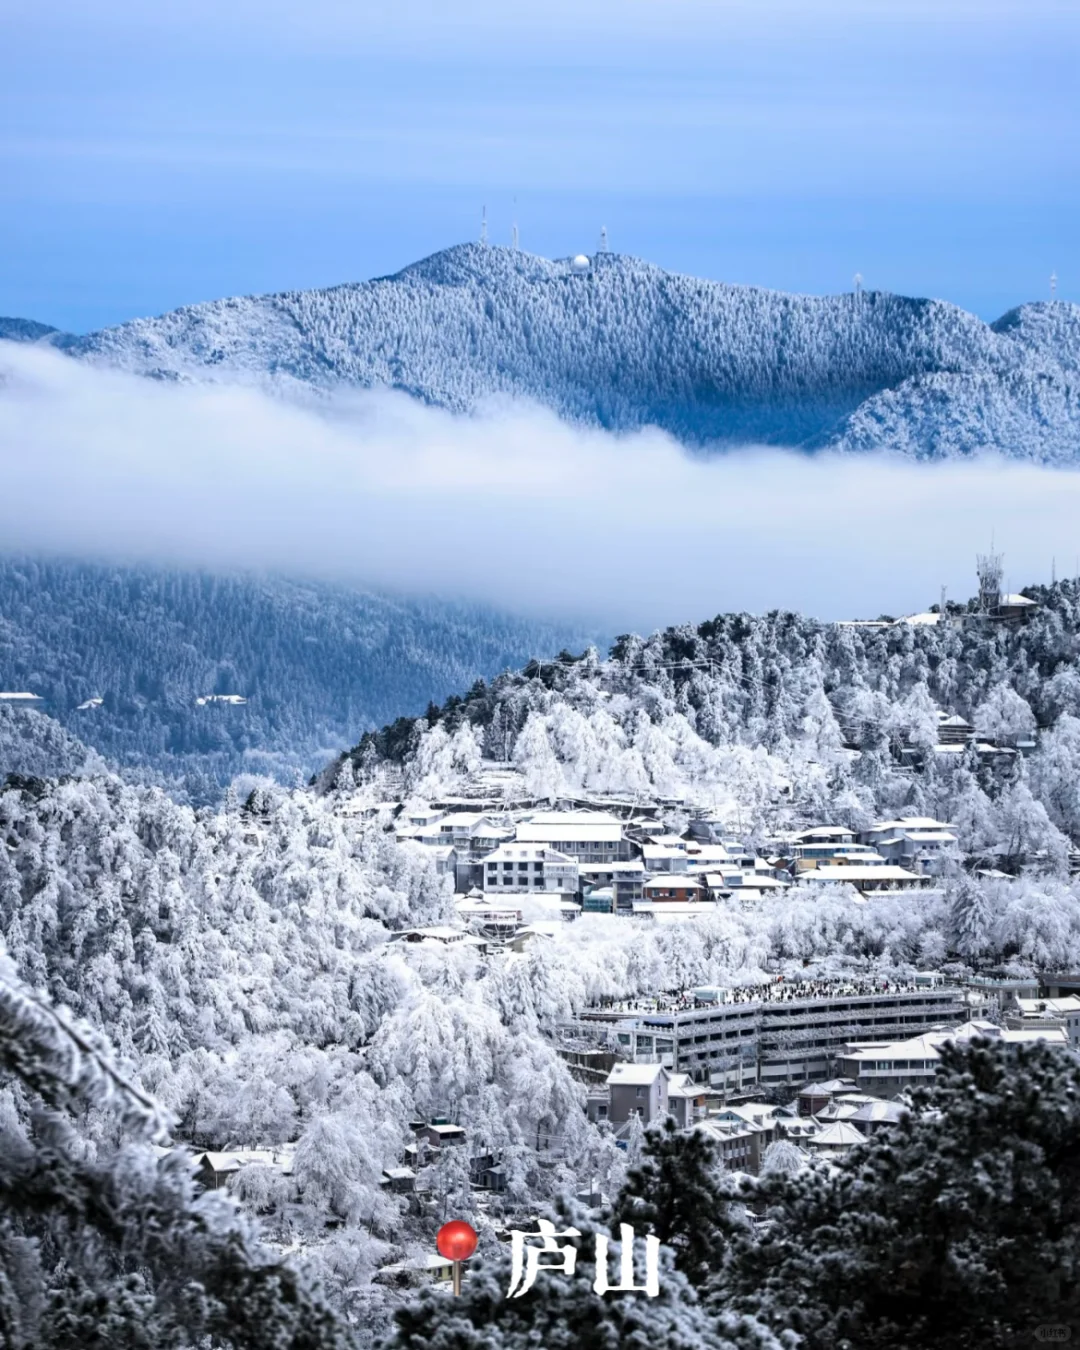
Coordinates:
x,y
679,1192
957,1228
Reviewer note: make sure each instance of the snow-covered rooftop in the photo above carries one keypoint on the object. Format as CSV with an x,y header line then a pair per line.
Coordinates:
x,y
635,1075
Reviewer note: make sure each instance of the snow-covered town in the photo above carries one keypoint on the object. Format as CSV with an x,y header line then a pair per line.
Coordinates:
x,y
540,675
735,911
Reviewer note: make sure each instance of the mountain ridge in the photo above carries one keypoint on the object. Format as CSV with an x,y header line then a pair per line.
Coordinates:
x,y
121,656
624,344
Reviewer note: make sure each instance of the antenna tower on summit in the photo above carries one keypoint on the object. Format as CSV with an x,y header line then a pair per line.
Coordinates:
x,y
857,283
483,226
514,236
1053,285
603,239
989,568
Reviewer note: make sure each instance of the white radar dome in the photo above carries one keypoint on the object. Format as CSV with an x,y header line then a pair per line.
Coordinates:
x,y
580,263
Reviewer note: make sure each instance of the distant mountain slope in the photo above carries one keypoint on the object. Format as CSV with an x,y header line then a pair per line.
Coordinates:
x,y
34,745
749,715
27,330
626,344
317,663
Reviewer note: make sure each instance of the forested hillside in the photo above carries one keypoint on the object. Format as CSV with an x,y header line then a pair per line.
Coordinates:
x,y
243,965
26,330
625,344
774,716
245,960
316,662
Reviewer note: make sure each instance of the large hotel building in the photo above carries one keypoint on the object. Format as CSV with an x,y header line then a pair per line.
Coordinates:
x,y
786,1032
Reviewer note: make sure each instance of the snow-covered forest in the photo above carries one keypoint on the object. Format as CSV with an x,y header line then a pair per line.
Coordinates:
x,y
244,962
317,663
779,718
241,966
626,345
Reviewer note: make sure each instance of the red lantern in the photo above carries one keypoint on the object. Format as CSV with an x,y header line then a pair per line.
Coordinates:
x,y
456,1240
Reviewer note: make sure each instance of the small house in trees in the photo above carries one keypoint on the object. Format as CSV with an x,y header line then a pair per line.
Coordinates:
x,y
814,1097
664,858
438,933
214,1171
954,730
495,918
1015,609
637,1089
874,1116
686,1099
417,1270
663,890
737,1144
883,877
442,1134
399,1180
835,1139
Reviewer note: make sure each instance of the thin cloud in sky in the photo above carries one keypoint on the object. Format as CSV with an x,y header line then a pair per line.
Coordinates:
x,y
509,506
185,151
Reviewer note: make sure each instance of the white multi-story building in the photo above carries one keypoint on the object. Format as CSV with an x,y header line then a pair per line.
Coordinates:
x,y
514,869
775,1034
883,1070
919,843
588,836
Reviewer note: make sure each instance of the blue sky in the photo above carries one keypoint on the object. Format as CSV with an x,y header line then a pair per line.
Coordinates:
x,y
153,155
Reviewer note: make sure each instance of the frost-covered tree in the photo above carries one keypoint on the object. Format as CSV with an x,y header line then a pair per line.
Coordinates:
x,y
562,1312
679,1192
103,1244
958,1227
1004,716
971,917
784,1157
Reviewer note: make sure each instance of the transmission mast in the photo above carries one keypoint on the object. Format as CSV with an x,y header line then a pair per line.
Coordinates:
x,y
857,283
483,226
603,239
1053,286
989,568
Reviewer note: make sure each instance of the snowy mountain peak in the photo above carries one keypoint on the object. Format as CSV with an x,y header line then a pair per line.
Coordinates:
x,y
622,344
24,330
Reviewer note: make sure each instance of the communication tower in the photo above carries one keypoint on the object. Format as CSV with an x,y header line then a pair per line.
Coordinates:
x,y
989,568
1053,286
483,226
857,283
603,239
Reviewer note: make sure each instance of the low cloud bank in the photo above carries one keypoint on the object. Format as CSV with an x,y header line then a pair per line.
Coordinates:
x,y
512,507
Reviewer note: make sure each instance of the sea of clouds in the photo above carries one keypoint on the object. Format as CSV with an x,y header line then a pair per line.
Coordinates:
x,y
511,506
